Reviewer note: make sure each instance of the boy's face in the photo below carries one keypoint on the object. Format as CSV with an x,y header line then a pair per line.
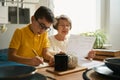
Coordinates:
x,y
42,25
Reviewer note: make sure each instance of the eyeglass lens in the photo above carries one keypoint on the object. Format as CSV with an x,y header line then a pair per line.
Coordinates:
x,y
43,26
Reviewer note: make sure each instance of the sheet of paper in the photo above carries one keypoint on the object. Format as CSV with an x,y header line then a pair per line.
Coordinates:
x,y
80,45
45,64
89,64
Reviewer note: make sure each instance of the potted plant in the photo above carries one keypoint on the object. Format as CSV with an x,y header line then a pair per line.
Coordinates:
x,y
100,38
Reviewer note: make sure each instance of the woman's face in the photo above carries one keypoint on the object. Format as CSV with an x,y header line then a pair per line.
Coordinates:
x,y
63,27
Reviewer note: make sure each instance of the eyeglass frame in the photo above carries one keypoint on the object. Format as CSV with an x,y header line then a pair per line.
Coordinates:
x,y
43,26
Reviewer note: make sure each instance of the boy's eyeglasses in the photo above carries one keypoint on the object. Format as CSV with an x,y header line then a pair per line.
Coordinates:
x,y
43,26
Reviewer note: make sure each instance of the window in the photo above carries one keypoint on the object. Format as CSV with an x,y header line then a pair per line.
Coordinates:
x,y
83,13
19,11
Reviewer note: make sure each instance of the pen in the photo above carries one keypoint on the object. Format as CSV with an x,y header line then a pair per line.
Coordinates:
x,y
36,54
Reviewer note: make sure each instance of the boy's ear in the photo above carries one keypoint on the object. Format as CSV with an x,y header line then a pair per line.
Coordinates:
x,y
33,19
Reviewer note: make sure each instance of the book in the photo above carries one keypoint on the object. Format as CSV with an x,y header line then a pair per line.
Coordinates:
x,y
101,58
109,53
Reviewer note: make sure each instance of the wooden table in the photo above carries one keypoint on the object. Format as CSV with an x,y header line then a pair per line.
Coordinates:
x,y
71,76
91,74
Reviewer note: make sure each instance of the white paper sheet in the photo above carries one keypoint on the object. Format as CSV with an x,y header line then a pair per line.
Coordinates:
x,y
45,64
80,45
89,64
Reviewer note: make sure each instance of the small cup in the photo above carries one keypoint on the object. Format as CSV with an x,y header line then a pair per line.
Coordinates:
x,y
61,62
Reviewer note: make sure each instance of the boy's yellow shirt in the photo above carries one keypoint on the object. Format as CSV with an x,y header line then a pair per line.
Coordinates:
x,y
24,40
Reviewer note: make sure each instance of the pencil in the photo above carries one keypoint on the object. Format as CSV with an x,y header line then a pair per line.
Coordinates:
x,y
36,54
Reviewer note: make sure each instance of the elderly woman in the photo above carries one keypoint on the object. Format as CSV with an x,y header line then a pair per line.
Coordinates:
x,y
59,41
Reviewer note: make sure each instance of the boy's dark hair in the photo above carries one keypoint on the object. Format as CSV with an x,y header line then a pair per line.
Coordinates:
x,y
44,12
63,17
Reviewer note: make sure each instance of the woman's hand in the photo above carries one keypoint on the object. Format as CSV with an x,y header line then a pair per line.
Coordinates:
x,y
51,61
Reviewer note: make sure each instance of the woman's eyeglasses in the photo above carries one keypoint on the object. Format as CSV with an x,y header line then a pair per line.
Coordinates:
x,y
43,26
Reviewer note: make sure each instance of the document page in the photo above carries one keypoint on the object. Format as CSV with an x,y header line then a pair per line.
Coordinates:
x,y
45,64
89,63
80,45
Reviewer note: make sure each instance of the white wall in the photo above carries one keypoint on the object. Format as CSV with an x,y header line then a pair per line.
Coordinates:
x,y
113,27
6,36
114,24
